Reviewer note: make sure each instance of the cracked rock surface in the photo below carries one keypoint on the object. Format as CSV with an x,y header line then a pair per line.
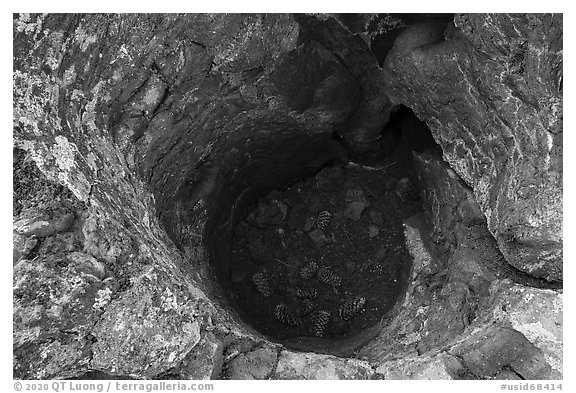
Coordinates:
x,y
493,102
140,139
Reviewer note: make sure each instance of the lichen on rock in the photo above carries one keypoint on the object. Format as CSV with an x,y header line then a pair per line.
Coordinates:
x,y
493,102
146,136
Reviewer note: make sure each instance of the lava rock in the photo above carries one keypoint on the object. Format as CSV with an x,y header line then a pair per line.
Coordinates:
x,y
294,365
313,80
447,202
124,328
376,217
487,352
257,250
21,246
158,159
355,195
44,224
256,364
390,183
87,264
309,224
294,261
315,204
204,361
62,242
507,375
61,305
442,367
271,213
526,307
511,157
240,272
372,231
355,209
330,178
405,189
319,238
351,266
381,254
297,216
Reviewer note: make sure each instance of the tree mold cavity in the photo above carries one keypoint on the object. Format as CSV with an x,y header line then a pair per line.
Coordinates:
x,y
307,247
244,195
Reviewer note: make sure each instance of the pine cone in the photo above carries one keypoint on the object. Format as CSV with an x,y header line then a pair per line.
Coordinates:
x,y
284,315
308,271
352,308
261,284
307,293
320,321
323,219
327,276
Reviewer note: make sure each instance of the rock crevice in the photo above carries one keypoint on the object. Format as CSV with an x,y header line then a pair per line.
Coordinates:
x,y
501,129
151,135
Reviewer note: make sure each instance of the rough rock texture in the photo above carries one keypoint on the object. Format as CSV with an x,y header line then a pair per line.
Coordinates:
x,y
153,132
443,367
495,347
152,119
449,203
429,315
204,361
459,229
361,131
476,336
55,309
493,100
501,293
256,364
153,324
461,306
293,365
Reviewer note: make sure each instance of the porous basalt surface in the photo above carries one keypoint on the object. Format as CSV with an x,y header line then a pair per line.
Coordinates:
x,y
493,100
153,133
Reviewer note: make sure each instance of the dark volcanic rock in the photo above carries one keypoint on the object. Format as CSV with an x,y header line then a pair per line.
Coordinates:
x,y
449,202
446,327
153,133
43,224
488,352
56,304
204,361
312,366
173,117
459,228
490,88
256,364
361,131
153,324
21,246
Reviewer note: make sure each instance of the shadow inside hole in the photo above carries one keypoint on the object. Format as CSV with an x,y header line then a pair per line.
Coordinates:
x,y
272,237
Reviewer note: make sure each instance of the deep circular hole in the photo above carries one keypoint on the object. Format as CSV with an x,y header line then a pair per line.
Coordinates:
x,y
313,256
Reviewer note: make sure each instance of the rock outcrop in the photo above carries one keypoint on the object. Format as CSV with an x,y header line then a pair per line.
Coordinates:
x,y
158,122
490,89
152,133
